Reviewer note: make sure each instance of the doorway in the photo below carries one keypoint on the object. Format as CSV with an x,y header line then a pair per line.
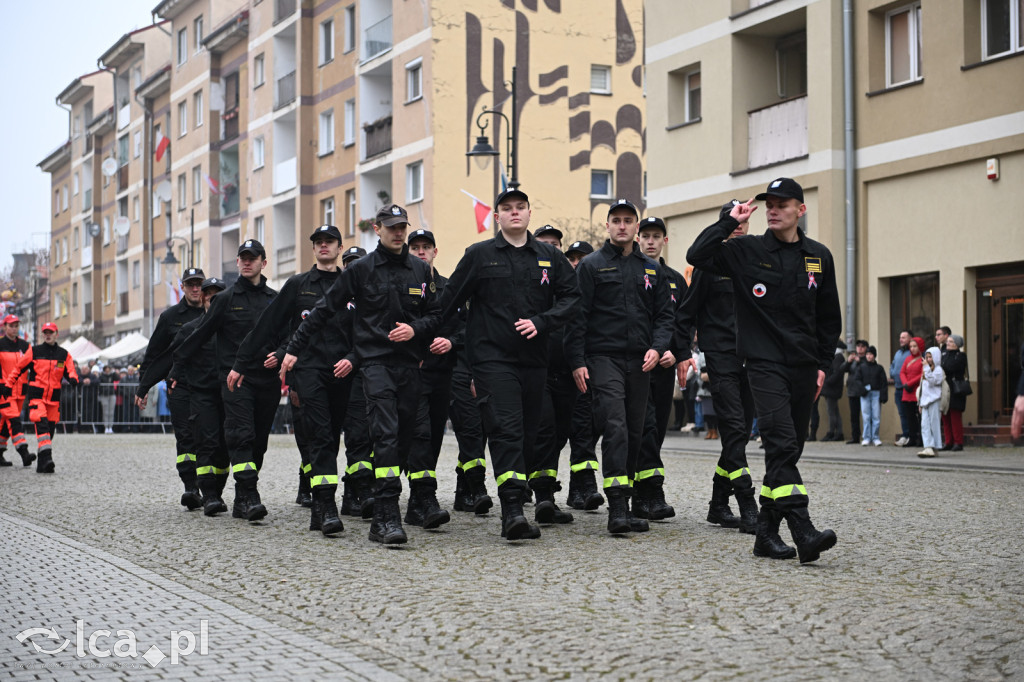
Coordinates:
x,y
1000,334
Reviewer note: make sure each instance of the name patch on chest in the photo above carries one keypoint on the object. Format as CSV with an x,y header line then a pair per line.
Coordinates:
x,y
650,271
544,263
812,264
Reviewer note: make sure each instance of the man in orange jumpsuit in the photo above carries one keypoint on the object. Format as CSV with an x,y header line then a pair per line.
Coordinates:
x,y
12,348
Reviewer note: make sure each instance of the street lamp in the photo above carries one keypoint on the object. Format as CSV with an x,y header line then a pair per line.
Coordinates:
x,y
171,263
482,151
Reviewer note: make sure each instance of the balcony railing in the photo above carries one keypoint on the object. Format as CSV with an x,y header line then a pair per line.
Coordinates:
x,y
122,244
284,175
87,200
377,38
124,116
87,313
86,255
230,118
285,261
285,90
122,303
777,133
378,136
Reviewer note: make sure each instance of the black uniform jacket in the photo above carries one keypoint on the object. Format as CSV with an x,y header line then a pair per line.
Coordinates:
x,y
385,289
708,307
232,315
504,284
677,292
199,372
625,306
449,330
168,325
790,316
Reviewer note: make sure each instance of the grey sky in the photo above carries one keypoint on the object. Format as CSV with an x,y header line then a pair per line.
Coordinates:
x,y
48,45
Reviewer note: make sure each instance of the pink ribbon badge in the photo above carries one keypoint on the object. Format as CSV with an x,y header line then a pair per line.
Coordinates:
x,y
647,281
810,281
544,276
423,290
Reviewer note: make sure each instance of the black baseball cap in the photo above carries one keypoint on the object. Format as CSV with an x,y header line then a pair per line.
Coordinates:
x,y
423,234
624,203
214,283
580,247
727,208
784,188
389,216
352,253
651,222
510,193
253,247
548,229
328,231
192,273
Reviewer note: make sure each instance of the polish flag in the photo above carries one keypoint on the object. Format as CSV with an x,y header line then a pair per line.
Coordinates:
x,y
161,146
173,294
482,212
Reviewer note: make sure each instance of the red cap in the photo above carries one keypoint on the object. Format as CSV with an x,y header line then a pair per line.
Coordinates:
x,y
49,327
11,319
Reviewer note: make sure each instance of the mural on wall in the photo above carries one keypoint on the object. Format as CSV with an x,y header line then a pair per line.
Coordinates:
x,y
585,132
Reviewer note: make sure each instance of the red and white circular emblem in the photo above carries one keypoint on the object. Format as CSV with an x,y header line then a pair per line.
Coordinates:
x,y
760,290
305,314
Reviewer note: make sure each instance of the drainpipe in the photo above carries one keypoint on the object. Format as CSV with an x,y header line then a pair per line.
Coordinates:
x,y
850,179
147,184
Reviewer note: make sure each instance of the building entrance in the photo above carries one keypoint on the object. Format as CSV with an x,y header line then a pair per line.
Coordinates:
x,y
1001,333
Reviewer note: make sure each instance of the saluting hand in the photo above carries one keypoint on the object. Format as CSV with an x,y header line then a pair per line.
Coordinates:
x,y
401,332
582,376
742,212
234,380
650,360
526,327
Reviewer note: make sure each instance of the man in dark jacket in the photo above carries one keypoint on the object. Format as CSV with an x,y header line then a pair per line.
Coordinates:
x,y
832,391
853,390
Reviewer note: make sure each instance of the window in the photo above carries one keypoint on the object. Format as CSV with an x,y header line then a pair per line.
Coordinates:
x,y
601,79
74,185
136,275
74,294
137,144
414,182
1002,27
258,73
791,64
182,118
684,95
136,76
326,132
197,34
197,184
327,211
182,188
350,28
903,45
693,96
414,80
136,209
74,239
56,202
64,198
182,46
326,41
600,184
197,105
258,152
350,122
122,153
914,304
259,227
106,290
106,230
350,218
76,127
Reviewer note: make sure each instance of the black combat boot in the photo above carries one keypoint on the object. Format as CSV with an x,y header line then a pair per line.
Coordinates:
x,y
768,543
314,515
460,491
247,503
191,498
477,499
349,498
514,525
654,498
583,490
386,527
810,542
26,457
639,506
45,463
748,510
327,510
718,508
546,510
636,525
575,497
305,495
618,511
3,460
366,499
212,502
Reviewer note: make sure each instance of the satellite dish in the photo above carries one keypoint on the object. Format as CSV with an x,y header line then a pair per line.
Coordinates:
x,y
109,167
163,190
94,230
121,225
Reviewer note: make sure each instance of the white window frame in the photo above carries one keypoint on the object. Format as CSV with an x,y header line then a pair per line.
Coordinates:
x,y
106,230
259,75
259,225
182,46
602,69
74,184
688,92
326,41
197,34
137,144
611,183
197,184
350,123
914,43
197,104
1016,32
182,118
182,192
325,144
136,274
136,209
351,225
259,152
414,182
414,80
64,198
327,209
350,29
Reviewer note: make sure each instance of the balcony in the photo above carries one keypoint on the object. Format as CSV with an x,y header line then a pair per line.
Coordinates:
x,y
87,201
230,118
283,9
378,136
777,133
124,116
285,175
377,39
285,261
122,244
122,303
122,178
86,313
86,255
285,94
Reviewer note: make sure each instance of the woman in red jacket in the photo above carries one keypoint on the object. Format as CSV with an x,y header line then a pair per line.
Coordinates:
x,y
910,376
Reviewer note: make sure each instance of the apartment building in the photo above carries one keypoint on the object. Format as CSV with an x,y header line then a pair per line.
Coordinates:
x,y
743,91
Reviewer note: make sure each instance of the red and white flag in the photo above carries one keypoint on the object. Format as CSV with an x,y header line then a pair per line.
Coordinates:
x,y
161,146
173,293
214,187
482,212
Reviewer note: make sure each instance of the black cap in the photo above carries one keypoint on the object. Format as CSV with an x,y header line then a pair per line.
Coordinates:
x,y
651,222
214,283
727,208
624,203
872,350
329,231
352,253
510,193
580,247
391,215
548,229
192,273
252,246
784,188
423,234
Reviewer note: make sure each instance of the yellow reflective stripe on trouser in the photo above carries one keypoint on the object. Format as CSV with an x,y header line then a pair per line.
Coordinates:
x,y
617,482
583,466
358,466
551,473
509,474
203,471
329,479
787,490
648,473
416,475
732,475
306,468
220,471
466,466
186,457
244,466
387,472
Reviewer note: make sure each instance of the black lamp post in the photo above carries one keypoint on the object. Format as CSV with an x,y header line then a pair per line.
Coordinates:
x,y
483,151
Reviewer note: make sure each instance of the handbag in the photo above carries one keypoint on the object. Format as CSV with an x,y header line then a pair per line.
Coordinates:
x,y
961,386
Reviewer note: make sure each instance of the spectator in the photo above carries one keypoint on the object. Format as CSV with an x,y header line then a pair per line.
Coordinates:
x,y
874,392
898,358
853,391
954,366
910,375
931,397
941,336
704,399
832,391
90,397
163,408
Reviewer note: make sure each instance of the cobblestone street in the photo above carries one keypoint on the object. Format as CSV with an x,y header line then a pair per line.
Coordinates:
x,y
926,582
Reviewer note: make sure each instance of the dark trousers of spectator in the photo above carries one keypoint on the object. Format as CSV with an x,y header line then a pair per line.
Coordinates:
x,y
620,389
913,423
855,425
395,421
815,418
248,416
835,419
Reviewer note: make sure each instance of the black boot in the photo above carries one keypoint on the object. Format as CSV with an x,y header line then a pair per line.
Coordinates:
x,y
585,482
26,457
718,509
639,506
810,542
326,510
424,510
618,511
191,498
45,463
247,503
748,510
314,515
637,525
460,491
768,543
349,498
3,460
546,510
654,501
812,437
366,499
386,527
477,499
575,497
212,502
305,495
514,525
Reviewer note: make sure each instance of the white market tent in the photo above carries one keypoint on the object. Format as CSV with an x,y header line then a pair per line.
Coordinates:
x,y
129,345
80,347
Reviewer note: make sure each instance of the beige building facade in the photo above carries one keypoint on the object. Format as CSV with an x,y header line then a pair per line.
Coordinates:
x,y
741,92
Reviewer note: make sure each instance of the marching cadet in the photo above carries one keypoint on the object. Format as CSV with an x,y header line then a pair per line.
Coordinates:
x,y
708,306
787,325
621,331
395,311
518,290
249,408
467,423
189,308
322,396
649,487
12,349
48,365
